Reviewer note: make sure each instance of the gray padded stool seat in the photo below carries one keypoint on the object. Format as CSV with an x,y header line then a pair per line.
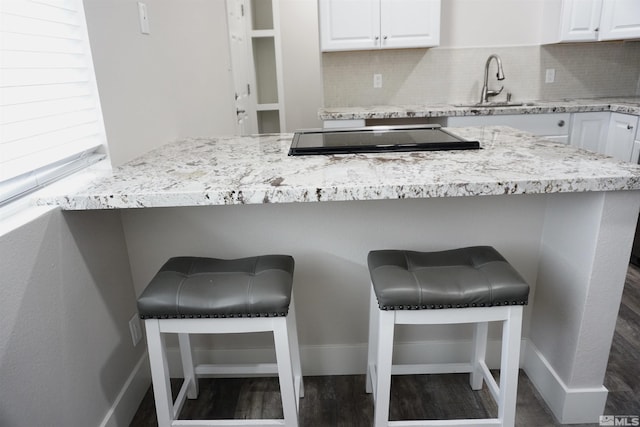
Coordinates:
x,y
467,285
468,277
209,287
190,295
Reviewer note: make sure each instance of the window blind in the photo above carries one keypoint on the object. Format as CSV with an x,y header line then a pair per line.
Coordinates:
x,y
50,116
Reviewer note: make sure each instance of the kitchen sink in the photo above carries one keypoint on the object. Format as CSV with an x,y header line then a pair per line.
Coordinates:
x,y
496,105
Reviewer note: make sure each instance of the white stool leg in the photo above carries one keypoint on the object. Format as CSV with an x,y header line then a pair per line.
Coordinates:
x,y
372,347
382,394
480,333
285,372
187,365
511,334
295,351
159,373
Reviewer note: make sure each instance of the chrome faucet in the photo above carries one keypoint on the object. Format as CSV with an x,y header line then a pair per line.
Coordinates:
x,y
486,92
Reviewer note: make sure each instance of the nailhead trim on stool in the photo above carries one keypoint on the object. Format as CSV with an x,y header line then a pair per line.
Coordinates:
x,y
195,295
467,285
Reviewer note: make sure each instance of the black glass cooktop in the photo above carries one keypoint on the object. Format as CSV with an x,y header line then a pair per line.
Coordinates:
x,y
377,139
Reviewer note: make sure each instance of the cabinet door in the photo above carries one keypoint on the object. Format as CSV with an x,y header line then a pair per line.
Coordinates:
x,y
622,130
589,131
409,23
555,125
349,24
635,154
620,20
580,20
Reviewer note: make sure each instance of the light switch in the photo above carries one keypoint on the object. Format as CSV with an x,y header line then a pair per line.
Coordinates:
x,y
144,18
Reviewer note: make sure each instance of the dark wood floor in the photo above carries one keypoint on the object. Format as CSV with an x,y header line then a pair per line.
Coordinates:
x,y
341,401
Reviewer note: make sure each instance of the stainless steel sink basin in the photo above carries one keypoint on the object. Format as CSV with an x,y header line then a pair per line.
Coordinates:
x,y
496,105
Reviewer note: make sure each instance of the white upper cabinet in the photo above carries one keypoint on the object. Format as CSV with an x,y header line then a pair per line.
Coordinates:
x,y
590,20
620,19
349,24
378,24
580,20
409,23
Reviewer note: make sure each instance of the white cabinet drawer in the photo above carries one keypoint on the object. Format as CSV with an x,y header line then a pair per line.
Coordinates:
x,y
553,124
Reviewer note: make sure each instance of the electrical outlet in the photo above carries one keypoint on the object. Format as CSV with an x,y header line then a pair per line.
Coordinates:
x,y
550,75
136,329
377,81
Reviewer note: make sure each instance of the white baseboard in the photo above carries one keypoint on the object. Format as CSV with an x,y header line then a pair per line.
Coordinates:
x,y
569,405
128,400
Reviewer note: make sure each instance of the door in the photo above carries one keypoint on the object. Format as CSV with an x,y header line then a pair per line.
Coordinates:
x,y
409,23
240,49
581,20
589,131
622,130
620,20
349,24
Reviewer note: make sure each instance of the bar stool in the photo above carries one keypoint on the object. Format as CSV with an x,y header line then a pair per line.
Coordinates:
x,y
468,285
192,295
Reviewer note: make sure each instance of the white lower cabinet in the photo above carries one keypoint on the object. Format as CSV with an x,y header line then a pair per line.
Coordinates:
x,y
621,135
613,134
606,133
589,131
635,154
554,126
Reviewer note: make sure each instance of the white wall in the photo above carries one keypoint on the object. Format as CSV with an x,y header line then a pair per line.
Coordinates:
x,y
455,75
330,242
172,83
490,23
471,30
301,63
66,297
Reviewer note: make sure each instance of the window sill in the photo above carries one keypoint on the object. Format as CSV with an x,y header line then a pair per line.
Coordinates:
x,y
20,212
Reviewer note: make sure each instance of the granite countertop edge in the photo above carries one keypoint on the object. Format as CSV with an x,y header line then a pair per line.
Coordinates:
x,y
625,105
256,169
331,194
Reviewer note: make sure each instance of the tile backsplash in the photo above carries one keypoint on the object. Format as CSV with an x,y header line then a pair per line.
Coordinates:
x,y
455,75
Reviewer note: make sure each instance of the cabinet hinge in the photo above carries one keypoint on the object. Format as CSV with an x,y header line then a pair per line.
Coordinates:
x,y
248,89
242,10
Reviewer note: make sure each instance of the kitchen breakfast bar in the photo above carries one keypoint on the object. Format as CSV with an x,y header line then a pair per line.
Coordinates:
x,y
563,217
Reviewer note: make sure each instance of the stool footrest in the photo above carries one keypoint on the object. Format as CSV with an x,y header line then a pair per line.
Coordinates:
x,y
237,370
492,385
373,378
181,398
299,389
431,368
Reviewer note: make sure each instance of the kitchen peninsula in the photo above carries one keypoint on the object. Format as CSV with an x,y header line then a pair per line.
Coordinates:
x,y
626,105
563,217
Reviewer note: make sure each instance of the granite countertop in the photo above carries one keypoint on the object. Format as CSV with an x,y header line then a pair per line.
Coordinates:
x,y
257,169
620,105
